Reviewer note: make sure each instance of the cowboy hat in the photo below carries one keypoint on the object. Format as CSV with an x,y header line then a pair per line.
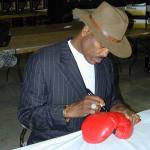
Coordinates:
x,y
108,24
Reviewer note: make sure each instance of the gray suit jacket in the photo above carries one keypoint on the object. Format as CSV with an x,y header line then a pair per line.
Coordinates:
x,y
52,80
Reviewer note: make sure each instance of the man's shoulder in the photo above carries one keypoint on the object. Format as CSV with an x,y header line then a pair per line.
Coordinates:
x,y
48,54
53,48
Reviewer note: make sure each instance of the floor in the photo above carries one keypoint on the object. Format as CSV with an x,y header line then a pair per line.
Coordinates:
x,y
135,91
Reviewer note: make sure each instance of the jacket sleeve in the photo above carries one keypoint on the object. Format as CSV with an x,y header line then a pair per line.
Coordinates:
x,y
34,112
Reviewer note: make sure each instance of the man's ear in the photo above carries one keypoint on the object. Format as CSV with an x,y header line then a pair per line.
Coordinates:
x,y
85,30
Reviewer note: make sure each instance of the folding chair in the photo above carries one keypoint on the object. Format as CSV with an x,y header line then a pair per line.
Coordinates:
x,y
22,136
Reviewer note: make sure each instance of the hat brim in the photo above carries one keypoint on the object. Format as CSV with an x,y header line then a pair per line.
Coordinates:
x,y
120,49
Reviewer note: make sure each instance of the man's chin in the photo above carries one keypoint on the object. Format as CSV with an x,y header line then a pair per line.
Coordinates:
x,y
95,61
99,60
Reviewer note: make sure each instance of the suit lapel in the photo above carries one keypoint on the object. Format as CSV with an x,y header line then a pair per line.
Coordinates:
x,y
100,80
69,68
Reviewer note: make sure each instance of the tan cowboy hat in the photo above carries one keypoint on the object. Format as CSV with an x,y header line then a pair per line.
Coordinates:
x,y
109,24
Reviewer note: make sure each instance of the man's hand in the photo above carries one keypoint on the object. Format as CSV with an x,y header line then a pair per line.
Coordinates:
x,y
131,115
83,107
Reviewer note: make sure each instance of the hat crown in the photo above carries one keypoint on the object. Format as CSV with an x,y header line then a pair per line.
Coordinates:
x,y
111,20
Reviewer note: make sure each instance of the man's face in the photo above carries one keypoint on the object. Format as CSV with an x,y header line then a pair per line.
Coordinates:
x,y
92,49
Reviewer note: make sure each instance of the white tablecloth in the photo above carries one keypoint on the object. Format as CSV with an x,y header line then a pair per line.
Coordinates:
x,y
140,140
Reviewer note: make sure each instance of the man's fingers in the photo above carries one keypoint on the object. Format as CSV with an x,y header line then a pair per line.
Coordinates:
x,y
92,111
95,99
135,118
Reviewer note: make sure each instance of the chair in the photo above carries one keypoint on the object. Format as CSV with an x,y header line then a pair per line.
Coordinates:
x,y
5,34
20,5
22,136
6,6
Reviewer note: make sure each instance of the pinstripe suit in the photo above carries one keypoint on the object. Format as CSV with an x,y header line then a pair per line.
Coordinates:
x,y
52,80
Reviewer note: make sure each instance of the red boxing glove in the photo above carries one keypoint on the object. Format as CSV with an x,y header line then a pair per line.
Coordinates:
x,y
97,127
124,126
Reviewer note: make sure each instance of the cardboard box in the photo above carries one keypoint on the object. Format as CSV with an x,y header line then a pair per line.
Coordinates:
x,y
136,9
148,8
138,23
148,23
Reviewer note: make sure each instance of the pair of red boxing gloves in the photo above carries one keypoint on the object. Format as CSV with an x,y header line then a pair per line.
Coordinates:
x,y
97,127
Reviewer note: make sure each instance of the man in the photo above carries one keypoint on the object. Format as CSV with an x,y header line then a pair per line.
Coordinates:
x,y
54,97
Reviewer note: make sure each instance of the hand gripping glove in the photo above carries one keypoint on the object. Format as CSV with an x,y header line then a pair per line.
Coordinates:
x,y
97,127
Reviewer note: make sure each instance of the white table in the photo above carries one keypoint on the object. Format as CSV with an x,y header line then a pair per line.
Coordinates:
x,y
140,140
